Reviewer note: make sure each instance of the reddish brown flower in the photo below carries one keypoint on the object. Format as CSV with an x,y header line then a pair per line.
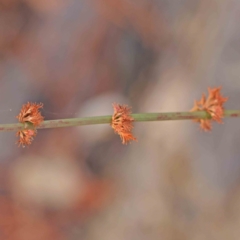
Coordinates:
x,y
26,136
30,113
213,105
122,122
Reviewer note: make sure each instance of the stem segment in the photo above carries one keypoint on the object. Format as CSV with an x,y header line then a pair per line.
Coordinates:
x,y
139,117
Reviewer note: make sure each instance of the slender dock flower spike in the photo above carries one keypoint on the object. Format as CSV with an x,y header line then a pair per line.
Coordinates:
x,y
29,114
213,105
122,122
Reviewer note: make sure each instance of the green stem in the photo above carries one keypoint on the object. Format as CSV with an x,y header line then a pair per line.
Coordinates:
x,y
139,117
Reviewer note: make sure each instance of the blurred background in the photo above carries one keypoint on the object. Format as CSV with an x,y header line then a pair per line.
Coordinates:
x,y
77,57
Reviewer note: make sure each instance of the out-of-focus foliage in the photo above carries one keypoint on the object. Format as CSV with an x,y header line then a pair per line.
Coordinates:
x,y
78,57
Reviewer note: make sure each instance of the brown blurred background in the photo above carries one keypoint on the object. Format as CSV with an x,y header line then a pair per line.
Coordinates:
x,y
77,57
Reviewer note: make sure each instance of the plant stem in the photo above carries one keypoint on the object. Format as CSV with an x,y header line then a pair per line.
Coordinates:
x,y
139,117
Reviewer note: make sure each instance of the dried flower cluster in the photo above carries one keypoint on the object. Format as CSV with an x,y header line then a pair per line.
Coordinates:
x,y
26,136
213,105
29,114
122,122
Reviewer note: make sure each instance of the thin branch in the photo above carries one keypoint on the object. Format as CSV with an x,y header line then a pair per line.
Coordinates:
x,y
139,117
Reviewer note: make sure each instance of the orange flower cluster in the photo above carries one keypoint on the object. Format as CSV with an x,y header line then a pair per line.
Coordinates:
x,y
26,136
213,105
122,122
29,114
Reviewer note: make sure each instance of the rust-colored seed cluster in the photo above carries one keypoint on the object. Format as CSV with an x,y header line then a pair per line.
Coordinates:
x,y
29,114
213,105
122,122
26,136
